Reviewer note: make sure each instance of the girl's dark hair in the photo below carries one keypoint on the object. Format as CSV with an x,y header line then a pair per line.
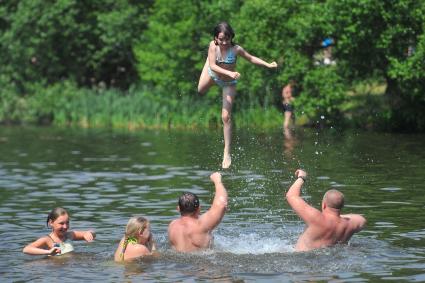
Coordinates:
x,y
226,29
55,213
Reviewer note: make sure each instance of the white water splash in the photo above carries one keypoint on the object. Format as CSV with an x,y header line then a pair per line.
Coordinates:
x,y
252,243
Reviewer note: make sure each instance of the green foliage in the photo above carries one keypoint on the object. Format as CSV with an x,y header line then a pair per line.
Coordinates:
x,y
324,92
65,60
56,102
85,41
65,103
166,47
384,38
12,107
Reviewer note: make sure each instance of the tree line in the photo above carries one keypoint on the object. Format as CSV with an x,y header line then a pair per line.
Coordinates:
x,y
59,56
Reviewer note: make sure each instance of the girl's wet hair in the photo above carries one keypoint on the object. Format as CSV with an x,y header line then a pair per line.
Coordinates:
x,y
135,226
55,213
188,203
226,29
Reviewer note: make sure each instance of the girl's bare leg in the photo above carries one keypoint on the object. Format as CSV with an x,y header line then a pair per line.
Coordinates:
x,y
226,114
288,116
205,81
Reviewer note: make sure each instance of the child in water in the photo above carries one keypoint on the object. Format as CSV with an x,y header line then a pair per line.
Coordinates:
x,y
58,241
219,68
137,241
287,104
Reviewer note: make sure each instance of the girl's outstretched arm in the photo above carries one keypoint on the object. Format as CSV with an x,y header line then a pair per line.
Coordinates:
x,y
88,236
254,60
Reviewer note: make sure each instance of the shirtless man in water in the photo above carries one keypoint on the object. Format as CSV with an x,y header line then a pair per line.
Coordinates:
x,y
324,228
192,231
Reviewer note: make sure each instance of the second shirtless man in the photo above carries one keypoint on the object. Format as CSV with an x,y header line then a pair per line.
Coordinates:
x,y
192,231
323,228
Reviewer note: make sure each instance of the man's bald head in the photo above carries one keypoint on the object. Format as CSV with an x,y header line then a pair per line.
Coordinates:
x,y
334,199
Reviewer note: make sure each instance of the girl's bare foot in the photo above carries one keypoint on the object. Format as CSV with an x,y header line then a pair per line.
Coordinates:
x,y
227,160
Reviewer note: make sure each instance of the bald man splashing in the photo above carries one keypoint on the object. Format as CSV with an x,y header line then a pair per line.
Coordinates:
x,y
327,227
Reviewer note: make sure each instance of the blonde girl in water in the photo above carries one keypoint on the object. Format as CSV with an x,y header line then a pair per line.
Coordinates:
x,y
137,241
219,68
59,240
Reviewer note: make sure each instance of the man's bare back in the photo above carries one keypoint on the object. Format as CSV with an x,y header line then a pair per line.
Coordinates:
x,y
187,236
192,231
327,227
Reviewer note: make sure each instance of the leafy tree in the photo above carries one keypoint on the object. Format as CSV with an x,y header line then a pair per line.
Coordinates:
x,y
384,39
87,41
291,33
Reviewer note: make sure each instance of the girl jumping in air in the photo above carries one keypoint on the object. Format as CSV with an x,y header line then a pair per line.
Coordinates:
x,y
219,68
59,240
137,241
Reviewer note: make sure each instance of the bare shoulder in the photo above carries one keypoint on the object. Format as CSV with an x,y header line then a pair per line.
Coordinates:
x,y
135,251
357,221
141,249
45,240
354,217
174,227
212,45
173,224
238,48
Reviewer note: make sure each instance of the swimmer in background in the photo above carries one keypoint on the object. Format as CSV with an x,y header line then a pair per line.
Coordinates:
x,y
137,241
193,231
219,68
59,240
287,103
324,228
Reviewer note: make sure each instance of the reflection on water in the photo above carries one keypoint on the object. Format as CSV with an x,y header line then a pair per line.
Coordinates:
x,y
289,142
103,178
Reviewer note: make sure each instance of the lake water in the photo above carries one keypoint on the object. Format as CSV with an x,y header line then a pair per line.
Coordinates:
x,y
104,177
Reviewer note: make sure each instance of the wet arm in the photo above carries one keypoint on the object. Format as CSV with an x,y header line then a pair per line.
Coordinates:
x,y
253,59
308,213
88,236
39,248
211,218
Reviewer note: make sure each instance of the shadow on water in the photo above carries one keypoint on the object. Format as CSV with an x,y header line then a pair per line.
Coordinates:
x,y
103,178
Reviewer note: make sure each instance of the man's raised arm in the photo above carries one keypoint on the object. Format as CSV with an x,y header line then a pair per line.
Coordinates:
x,y
298,204
210,219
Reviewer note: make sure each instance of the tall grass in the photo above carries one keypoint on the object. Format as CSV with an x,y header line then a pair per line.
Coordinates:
x,y
65,104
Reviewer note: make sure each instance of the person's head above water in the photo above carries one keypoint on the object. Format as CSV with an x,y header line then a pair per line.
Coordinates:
x,y
135,226
334,199
226,30
188,203
54,214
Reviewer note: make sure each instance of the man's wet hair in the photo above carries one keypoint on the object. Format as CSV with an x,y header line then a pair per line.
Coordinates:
x,y
188,203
